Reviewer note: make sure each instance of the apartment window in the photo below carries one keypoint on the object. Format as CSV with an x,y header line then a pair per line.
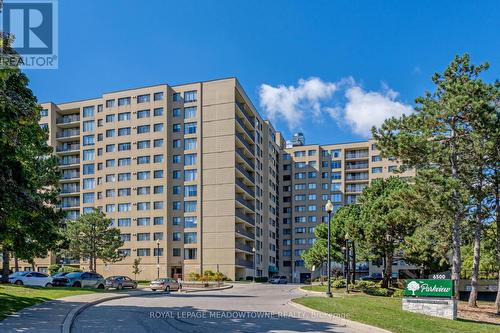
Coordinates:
x,y
300,186
158,158
158,112
143,221
110,133
190,96
143,144
124,161
110,193
158,189
88,111
123,177
88,155
124,146
189,159
374,146
176,220
311,152
392,168
300,175
158,127
190,238
190,112
158,143
88,183
124,192
312,186
143,98
143,160
124,116
110,178
157,251
176,112
311,197
110,163
190,222
143,206
336,175
158,174
337,164
44,113
176,252
88,140
336,197
299,153
88,169
110,148
190,175
143,175
143,129
190,128
190,253
176,189
376,158
124,131
189,206
176,159
110,103
110,118
125,237
312,174
88,126
176,205
158,205
143,114
88,198
124,207
123,101
336,186
176,236
176,174
177,143
143,252
110,208
124,222
190,191
377,170
143,190
176,128
158,220
158,96
176,97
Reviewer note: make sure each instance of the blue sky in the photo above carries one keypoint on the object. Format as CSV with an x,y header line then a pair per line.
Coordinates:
x,y
328,68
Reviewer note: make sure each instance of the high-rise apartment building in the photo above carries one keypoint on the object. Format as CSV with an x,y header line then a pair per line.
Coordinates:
x,y
195,179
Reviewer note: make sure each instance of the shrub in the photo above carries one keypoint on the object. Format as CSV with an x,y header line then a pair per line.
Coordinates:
x,y
378,291
193,276
362,285
261,279
54,268
69,269
339,283
398,293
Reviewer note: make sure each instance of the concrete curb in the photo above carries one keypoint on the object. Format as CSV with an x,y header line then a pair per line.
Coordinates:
x,y
70,317
345,322
187,291
315,293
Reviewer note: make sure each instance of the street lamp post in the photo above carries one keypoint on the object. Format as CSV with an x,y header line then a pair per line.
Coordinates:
x,y
157,258
329,210
347,263
253,250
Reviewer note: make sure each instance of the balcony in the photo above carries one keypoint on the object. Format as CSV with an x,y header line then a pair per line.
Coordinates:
x,y
245,203
244,263
71,175
240,153
251,149
245,233
247,131
245,188
69,161
358,188
356,176
352,155
68,119
69,190
353,166
68,134
245,173
244,217
250,120
243,247
67,148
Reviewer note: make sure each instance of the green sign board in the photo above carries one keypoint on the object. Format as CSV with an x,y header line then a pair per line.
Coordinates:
x,y
429,288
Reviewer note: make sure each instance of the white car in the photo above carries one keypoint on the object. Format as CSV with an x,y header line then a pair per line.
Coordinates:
x,y
31,279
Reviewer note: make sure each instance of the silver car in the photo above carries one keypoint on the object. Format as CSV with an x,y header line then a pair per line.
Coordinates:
x,y
165,284
119,282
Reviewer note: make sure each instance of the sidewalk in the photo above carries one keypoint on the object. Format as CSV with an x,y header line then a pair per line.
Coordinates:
x,y
48,317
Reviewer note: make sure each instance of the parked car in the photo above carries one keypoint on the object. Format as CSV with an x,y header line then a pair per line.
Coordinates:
x,y
31,279
60,274
165,284
372,277
119,282
280,279
80,280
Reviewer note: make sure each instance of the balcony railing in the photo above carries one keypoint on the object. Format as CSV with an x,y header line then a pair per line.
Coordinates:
x,y
243,246
246,173
245,233
247,189
245,203
69,161
242,109
239,151
67,148
354,155
245,217
357,166
243,262
362,176
356,188
72,175
70,190
68,133
251,149
247,131
67,119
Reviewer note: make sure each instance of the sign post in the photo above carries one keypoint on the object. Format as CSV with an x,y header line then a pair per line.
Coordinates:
x,y
433,297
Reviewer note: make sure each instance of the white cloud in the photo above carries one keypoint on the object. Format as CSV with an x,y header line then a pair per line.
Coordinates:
x,y
366,109
359,111
292,103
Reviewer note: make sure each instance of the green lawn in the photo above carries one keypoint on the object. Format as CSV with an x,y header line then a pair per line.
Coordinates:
x,y
386,313
322,288
14,298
